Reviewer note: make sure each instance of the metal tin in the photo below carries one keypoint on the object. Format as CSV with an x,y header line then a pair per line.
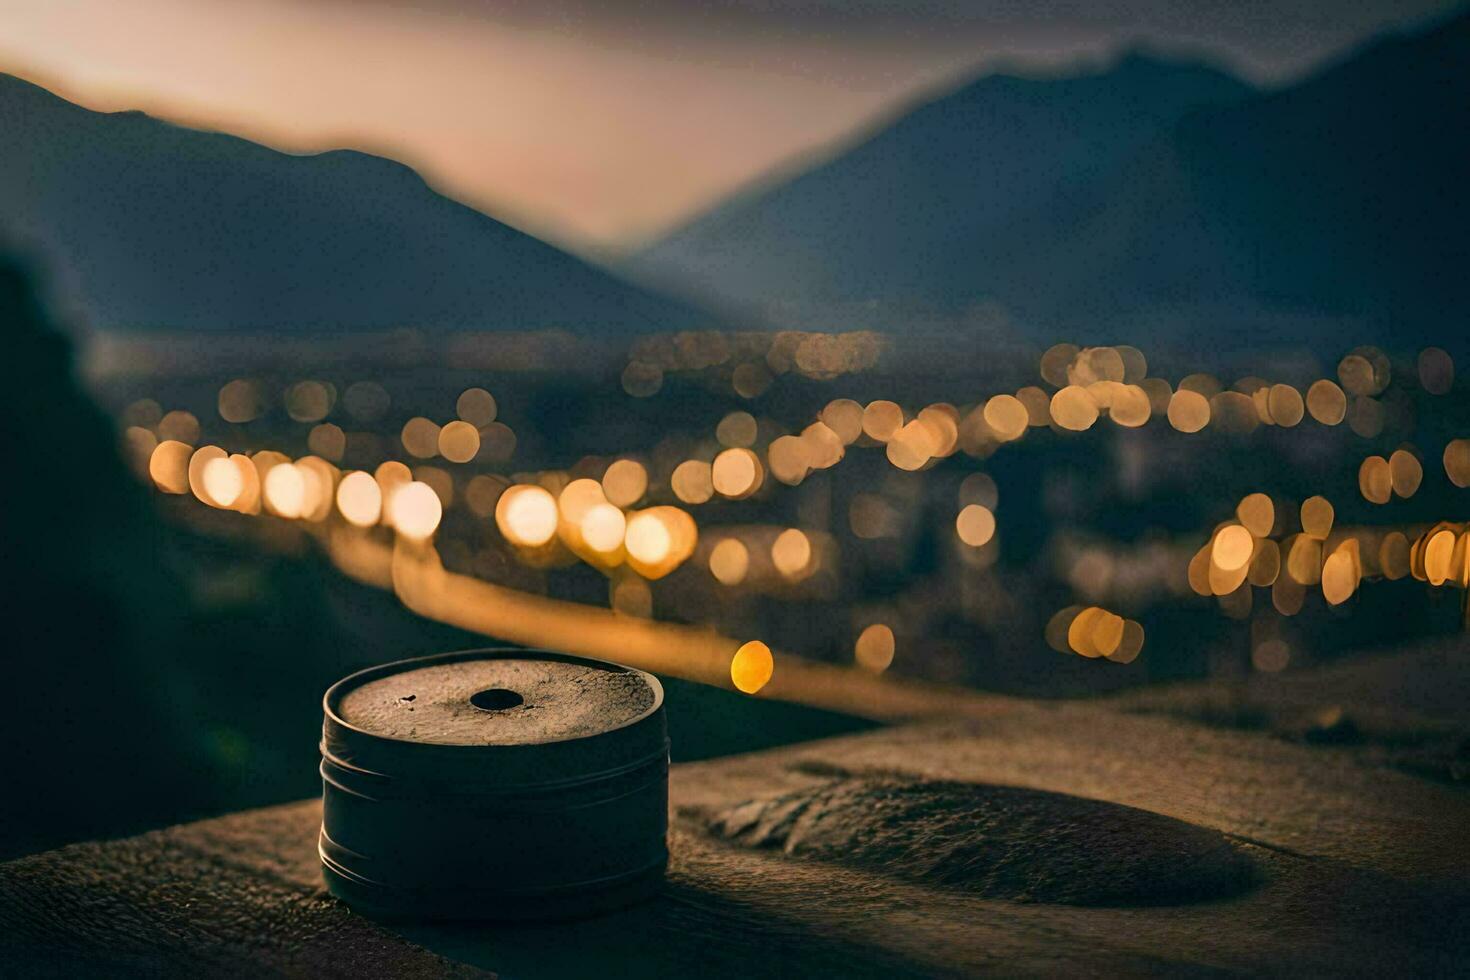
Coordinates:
x,y
494,784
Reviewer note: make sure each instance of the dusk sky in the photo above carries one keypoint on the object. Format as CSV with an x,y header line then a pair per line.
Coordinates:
x,y
599,125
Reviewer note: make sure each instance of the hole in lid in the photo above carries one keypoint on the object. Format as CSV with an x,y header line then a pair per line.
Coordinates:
x,y
496,699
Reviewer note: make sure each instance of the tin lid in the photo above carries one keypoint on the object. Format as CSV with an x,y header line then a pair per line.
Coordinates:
x,y
494,720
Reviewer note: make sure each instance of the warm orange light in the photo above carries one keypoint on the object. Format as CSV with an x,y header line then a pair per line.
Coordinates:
x,y
417,510
1285,405
577,499
1339,575
874,648
459,441
693,481
201,459
648,539
1189,411
659,539
223,482
285,490
526,515
1438,550
1375,480
912,446
788,459
420,437
1007,417
729,561
603,527
844,417
1233,547
975,525
1406,473
1257,513
625,482
881,419
736,473
751,667
791,553
1317,515
1073,408
1326,402
360,499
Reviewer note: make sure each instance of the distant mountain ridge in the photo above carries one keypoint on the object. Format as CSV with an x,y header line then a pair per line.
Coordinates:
x,y
157,226
1148,197
883,220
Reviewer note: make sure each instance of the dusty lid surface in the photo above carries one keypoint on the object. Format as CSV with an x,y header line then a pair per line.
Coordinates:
x,y
498,701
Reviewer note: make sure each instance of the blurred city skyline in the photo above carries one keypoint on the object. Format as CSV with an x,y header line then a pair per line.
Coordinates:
x,y
601,126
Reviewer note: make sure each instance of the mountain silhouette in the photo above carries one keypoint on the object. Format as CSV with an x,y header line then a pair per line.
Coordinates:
x,y
1153,202
151,225
881,223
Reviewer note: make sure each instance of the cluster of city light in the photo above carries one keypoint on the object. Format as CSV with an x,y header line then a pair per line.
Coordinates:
x,y
1242,553
474,435
750,361
1089,384
765,557
306,489
606,513
1379,479
1095,633
592,520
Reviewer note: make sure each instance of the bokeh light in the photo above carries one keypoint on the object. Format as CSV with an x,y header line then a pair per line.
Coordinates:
x,y
791,553
327,440
693,481
729,561
476,406
751,667
420,438
416,510
874,648
1326,402
603,527
736,429
360,499
881,419
169,466
459,441
240,401
736,473
223,482
625,482
1257,513
1189,411
975,525
526,515
1317,516
844,417
308,401
1072,408
285,490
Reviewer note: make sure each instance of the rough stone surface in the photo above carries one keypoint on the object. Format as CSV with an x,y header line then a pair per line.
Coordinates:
x,y
240,896
1360,870
560,701
995,841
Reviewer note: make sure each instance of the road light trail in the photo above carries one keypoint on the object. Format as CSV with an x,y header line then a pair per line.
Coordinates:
x,y
415,574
